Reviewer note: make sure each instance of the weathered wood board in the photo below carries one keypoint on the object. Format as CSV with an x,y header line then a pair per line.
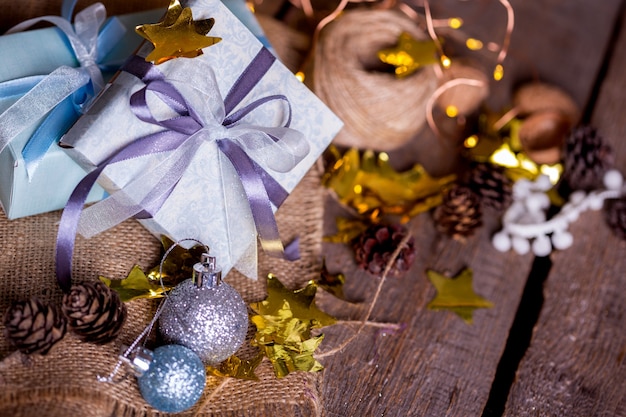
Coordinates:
x,y
439,365
575,364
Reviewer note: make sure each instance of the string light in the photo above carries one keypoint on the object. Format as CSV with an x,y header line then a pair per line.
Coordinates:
x,y
439,91
445,61
455,22
498,72
471,142
452,111
473,44
510,24
431,32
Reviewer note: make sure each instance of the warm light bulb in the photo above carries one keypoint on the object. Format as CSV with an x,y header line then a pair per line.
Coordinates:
x,y
445,61
452,111
300,76
471,142
498,72
473,44
455,22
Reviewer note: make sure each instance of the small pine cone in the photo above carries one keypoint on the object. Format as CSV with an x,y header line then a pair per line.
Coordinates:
x,y
374,247
459,214
95,313
490,183
586,160
615,216
34,327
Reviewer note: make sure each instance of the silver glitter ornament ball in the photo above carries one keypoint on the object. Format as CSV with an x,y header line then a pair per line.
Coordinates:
x,y
210,318
175,379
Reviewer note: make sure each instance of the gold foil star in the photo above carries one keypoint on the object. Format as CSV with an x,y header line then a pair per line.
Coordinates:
x,y
235,367
456,294
371,186
177,35
409,55
301,303
284,321
136,285
177,267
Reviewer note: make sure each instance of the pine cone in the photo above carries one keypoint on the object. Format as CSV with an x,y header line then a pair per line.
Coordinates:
x,y
489,182
374,247
615,216
34,327
586,160
95,312
459,214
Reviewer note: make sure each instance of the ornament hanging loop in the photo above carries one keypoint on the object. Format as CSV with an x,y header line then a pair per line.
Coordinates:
x,y
176,244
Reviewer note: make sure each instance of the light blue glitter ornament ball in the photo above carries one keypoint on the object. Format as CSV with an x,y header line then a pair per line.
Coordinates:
x,y
211,321
175,379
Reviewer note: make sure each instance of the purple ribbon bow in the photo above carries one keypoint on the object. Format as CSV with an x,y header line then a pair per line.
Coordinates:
x,y
183,134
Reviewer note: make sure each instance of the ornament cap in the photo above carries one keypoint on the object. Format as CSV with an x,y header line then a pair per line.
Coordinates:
x,y
206,273
138,361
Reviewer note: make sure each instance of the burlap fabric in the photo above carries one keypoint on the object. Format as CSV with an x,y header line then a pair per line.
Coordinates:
x,y
63,383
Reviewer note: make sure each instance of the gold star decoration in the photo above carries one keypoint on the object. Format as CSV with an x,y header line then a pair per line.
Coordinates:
x,y
456,294
177,35
409,55
136,285
284,321
177,267
367,183
237,368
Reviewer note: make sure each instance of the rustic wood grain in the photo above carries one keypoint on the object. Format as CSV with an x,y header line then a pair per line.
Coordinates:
x,y
439,365
575,365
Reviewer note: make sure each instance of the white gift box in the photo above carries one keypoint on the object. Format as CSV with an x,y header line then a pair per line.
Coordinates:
x,y
208,203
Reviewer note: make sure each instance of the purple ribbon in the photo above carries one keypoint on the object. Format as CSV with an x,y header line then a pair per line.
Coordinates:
x,y
260,188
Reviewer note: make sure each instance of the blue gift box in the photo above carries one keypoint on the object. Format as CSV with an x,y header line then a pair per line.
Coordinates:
x,y
240,9
27,57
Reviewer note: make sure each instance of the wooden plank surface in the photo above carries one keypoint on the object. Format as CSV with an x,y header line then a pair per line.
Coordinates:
x,y
439,365
575,365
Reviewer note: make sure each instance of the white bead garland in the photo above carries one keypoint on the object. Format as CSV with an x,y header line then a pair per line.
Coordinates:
x,y
525,220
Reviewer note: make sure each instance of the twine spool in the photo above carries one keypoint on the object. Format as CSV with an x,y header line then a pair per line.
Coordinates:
x,y
290,45
380,112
